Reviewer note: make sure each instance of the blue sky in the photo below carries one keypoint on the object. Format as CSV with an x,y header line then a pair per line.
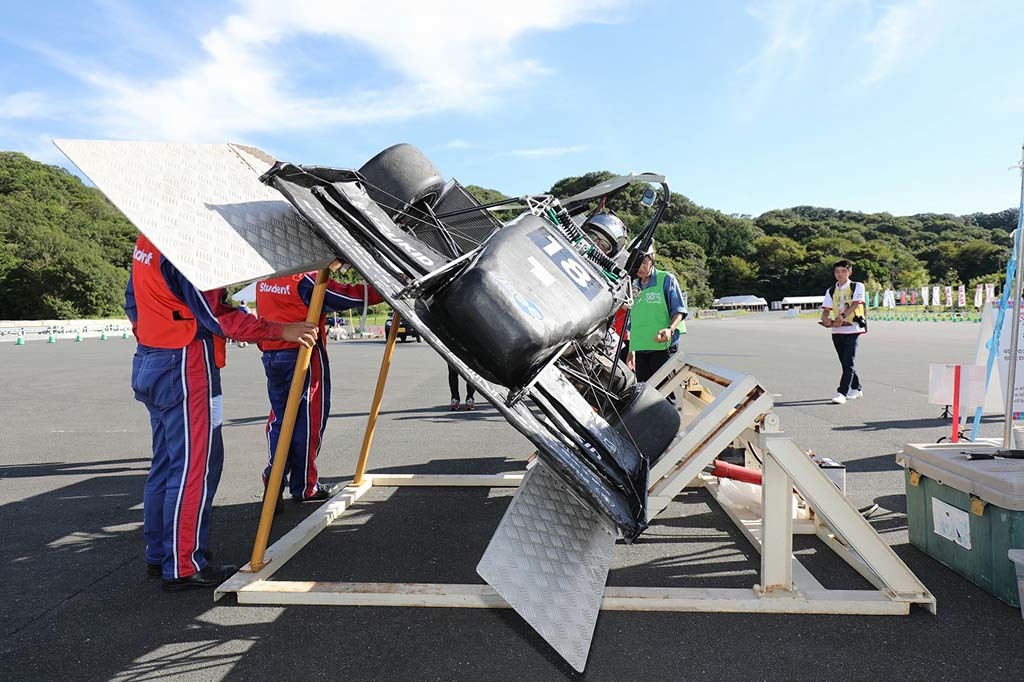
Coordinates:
x,y
904,106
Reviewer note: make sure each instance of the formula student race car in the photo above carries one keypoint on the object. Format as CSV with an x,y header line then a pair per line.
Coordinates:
x,y
521,308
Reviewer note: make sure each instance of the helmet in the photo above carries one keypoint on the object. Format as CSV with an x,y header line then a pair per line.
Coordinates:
x,y
607,231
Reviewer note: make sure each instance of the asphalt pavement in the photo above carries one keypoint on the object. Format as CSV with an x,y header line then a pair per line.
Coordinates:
x,y
77,604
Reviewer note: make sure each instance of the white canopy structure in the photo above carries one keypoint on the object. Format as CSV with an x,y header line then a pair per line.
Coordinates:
x,y
803,301
740,302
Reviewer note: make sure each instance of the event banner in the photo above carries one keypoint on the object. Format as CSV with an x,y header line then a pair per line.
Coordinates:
x,y
949,296
1005,334
924,295
961,296
935,295
990,292
979,297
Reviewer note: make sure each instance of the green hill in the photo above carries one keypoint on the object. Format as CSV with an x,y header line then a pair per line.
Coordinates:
x,y
65,250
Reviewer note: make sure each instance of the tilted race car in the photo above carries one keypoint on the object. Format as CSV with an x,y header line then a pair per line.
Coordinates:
x,y
520,308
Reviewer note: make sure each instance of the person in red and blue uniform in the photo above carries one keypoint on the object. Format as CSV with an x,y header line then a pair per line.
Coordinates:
x,y
287,298
176,374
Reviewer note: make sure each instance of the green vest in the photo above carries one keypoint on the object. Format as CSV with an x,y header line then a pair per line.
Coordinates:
x,y
649,316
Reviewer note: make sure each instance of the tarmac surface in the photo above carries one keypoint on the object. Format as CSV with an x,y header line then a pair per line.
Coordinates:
x,y
77,605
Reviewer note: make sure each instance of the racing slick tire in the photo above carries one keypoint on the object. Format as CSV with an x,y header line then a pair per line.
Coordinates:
x,y
648,419
402,177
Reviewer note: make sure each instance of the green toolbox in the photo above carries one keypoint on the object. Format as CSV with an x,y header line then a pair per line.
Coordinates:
x,y
966,513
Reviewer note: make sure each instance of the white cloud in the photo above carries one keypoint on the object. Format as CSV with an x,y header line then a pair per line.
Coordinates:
x,y
460,144
25,104
545,152
905,30
459,55
787,26
792,29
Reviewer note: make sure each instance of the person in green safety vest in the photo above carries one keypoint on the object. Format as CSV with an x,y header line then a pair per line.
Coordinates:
x,y
654,321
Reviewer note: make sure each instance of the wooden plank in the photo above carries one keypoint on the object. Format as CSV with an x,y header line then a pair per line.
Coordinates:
x,y
510,480
680,469
682,599
830,505
776,528
751,526
703,427
289,544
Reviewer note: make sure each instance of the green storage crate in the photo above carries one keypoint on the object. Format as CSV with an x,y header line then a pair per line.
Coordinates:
x,y
967,514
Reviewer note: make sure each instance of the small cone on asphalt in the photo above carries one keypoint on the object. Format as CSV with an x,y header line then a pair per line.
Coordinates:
x,y
78,338
124,334
52,339
20,341
103,336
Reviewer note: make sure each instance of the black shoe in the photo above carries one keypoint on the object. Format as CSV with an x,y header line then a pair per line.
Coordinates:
x,y
157,570
210,576
321,493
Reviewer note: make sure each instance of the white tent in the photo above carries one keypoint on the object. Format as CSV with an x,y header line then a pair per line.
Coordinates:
x,y
744,302
802,301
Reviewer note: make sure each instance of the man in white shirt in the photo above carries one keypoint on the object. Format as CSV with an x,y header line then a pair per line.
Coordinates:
x,y
843,313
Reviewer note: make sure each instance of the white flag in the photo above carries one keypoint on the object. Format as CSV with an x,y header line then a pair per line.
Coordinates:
x,y
978,296
961,296
990,292
924,295
935,295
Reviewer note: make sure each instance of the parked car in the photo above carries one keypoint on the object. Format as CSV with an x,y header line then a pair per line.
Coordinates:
x,y
404,331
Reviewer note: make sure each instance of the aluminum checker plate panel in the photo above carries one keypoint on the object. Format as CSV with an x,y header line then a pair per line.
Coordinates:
x,y
549,559
204,207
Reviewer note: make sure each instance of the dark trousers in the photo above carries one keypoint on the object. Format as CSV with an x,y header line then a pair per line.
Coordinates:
x,y
846,349
453,385
300,471
647,362
181,389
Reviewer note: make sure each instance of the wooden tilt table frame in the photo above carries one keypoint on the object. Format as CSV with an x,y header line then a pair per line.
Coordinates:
x,y
737,410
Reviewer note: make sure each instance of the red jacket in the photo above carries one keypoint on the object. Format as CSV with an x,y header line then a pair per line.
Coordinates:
x,y
287,298
166,311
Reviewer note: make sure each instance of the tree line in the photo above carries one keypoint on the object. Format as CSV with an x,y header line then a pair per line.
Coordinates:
x,y
65,250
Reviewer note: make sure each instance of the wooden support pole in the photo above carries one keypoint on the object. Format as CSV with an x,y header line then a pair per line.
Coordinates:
x,y
378,394
776,527
273,490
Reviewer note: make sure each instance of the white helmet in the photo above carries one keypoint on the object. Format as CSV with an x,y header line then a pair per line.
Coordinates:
x,y
607,232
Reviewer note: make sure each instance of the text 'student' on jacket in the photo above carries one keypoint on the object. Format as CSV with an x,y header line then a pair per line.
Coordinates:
x,y
287,298
166,311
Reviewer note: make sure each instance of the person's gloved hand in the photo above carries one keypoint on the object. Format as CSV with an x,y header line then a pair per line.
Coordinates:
x,y
302,333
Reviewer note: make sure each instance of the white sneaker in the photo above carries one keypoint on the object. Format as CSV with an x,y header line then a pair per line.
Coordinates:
x,y
839,399
854,394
